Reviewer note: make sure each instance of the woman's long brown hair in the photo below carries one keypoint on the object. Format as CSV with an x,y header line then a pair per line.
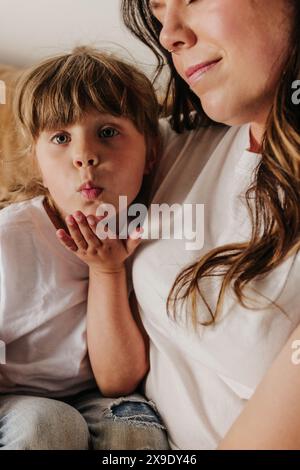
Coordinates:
x,y
273,200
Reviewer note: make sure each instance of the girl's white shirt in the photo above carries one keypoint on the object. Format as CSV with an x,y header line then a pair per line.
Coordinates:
x,y
43,299
200,381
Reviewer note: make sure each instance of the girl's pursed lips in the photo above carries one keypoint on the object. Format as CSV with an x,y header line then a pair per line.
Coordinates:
x,y
91,194
88,185
89,190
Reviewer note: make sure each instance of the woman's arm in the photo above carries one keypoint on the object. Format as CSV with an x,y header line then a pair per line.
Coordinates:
x,y
116,341
271,418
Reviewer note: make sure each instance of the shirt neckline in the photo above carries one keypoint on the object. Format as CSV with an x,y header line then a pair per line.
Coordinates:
x,y
246,160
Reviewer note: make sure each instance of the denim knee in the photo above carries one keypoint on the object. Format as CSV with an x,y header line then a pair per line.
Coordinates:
x,y
131,425
136,413
34,423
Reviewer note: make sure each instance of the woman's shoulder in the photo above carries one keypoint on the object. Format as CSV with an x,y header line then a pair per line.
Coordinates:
x,y
202,139
169,135
189,149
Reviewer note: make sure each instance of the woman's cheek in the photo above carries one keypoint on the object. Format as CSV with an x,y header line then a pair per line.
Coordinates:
x,y
179,66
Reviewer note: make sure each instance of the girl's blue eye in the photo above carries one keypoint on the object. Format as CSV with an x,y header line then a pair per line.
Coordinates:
x,y
61,139
108,132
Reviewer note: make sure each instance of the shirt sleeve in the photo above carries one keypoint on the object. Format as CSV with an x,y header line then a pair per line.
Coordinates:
x,y
18,275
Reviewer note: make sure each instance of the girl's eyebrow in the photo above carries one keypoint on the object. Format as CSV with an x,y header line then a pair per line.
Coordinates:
x,y
59,127
108,117
112,120
99,122
55,129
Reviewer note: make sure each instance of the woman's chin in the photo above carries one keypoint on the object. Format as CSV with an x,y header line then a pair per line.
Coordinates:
x,y
214,108
226,109
218,112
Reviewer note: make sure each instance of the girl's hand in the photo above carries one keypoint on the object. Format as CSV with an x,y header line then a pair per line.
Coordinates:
x,y
106,256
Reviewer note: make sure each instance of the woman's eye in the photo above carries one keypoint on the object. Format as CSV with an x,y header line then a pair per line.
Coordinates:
x,y
108,132
61,139
155,9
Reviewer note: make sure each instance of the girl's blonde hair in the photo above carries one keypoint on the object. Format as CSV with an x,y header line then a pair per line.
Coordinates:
x,y
57,92
275,215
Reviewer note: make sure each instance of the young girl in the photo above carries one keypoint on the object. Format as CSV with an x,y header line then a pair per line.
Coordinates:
x,y
91,124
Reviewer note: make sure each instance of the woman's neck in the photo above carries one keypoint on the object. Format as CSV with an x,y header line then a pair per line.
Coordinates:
x,y
256,137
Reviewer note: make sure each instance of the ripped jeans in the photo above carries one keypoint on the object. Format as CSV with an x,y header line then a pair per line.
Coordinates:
x,y
82,422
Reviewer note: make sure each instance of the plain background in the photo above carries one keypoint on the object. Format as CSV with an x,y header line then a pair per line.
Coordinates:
x,y
35,29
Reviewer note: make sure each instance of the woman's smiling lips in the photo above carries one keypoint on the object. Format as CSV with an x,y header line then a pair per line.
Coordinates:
x,y
196,71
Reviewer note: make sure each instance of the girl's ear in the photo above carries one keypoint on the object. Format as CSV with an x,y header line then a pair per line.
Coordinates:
x,y
153,155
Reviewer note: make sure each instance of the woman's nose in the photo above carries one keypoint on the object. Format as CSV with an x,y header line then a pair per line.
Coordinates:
x,y
176,33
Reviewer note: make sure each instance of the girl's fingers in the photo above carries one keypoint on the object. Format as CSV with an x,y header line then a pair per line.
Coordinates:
x,y
104,233
134,240
75,233
86,230
112,245
66,240
91,219
93,222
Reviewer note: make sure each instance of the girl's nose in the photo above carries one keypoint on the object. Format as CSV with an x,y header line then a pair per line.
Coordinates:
x,y
176,33
84,162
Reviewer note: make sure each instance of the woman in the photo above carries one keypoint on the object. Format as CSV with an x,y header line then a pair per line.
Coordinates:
x,y
223,374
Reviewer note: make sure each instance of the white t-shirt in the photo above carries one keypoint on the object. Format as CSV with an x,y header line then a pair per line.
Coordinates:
x,y
200,381
43,299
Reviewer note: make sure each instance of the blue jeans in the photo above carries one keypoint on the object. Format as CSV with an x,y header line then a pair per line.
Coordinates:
x,y
85,421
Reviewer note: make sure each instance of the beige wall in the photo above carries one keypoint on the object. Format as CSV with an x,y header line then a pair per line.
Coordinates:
x,y
33,29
